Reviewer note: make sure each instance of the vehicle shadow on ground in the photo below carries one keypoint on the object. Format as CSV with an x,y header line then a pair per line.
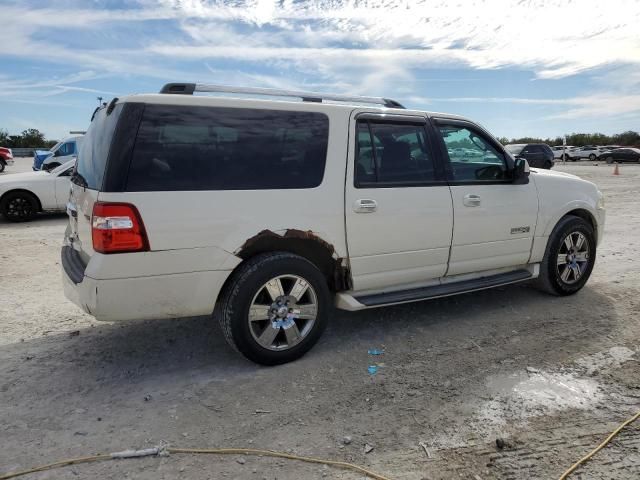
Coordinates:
x,y
490,320
40,220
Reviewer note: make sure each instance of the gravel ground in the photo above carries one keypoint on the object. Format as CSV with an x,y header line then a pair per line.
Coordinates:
x,y
548,376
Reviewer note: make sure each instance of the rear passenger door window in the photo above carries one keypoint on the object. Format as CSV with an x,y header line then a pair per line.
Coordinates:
x,y
392,154
215,148
472,157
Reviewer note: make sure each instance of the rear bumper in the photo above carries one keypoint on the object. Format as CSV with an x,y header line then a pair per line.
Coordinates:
x,y
143,298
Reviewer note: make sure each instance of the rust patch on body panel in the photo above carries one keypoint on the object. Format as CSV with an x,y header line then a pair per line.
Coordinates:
x,y
306,244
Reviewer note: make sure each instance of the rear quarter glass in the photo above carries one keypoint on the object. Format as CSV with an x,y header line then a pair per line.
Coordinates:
x,y
182,148
94,149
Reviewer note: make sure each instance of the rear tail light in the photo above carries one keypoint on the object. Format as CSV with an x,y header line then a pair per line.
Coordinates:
x,y
117,228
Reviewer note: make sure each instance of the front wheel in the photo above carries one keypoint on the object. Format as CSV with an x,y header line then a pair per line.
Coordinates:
x,y
274,308
569,258
609,160
592,157
547,165
2,167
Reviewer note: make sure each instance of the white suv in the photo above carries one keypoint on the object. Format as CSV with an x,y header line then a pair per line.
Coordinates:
x,y
267,212
587,151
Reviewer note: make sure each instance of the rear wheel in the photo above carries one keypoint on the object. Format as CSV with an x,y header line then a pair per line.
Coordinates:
x,y
569,258
592,157
19,206
1,166
609,160
274,308
547,165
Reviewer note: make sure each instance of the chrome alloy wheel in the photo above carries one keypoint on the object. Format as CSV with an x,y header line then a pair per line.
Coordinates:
x,y
283,312
573,257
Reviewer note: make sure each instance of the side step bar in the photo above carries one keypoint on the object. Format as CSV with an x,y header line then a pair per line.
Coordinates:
x,y
444,290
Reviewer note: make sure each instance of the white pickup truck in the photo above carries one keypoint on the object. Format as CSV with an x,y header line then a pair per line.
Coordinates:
x,y
266,212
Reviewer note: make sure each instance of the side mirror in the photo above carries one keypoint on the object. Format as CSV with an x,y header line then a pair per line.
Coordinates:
x,y
521,170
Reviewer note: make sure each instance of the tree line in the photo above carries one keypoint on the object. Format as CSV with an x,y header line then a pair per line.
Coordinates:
x,y
34,138
29,138
627,139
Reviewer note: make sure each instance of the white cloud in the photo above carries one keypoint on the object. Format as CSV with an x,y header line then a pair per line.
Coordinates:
x,y
598,106
359,46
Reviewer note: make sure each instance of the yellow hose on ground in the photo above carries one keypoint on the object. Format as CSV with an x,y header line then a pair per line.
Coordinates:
x,y
216,451
598,448
271,453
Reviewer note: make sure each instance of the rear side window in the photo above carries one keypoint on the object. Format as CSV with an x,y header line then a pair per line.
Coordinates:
x,y
212,148
94,149
392,154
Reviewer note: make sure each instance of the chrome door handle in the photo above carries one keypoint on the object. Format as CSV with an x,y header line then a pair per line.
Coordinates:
x,y
471,200
365,205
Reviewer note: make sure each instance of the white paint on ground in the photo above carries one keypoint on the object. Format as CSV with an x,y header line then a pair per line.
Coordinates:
x,y
614,357
519,396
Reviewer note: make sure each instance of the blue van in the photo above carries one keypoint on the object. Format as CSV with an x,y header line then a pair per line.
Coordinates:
x,y
60,153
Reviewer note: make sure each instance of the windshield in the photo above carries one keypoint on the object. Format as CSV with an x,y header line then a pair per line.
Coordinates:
x,y
55,147
514,149
62,168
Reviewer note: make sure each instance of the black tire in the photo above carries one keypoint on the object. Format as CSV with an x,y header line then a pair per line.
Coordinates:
x,y
592,157
550,277
566,157
2,167
232,310
547,165
609,160
50,166
19,206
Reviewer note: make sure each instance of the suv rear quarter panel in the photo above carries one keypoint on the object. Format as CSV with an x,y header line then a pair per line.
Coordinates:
x,y
211,222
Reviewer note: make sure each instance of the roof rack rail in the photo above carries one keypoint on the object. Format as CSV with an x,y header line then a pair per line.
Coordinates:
x,y
190,88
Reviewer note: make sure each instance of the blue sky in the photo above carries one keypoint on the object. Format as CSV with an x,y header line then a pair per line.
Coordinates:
x,y
536,67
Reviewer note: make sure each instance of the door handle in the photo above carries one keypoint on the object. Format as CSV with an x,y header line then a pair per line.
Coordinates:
x,y
471,200
365,205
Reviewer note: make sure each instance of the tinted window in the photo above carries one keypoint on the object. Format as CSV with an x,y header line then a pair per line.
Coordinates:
x,y
207,148
472,157
392,154
92,155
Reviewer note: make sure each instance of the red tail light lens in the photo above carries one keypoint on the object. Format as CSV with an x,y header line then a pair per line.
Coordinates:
x,y
117,228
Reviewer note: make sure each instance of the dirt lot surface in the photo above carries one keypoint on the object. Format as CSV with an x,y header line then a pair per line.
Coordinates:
x,y
550,376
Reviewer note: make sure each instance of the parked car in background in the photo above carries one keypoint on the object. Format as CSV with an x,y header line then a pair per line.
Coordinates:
x,y
23,195
621,155
587,152
60,153
6,158
268,212
560,150
537,155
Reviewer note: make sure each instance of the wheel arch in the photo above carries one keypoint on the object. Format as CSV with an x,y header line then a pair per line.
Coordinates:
x,y
585,215
308,245
23,190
